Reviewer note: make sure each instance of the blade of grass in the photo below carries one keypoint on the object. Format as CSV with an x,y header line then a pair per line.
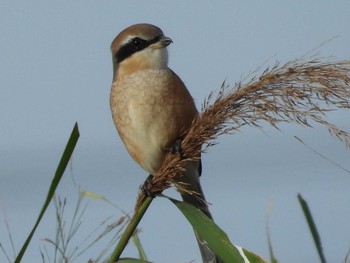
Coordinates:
x,y
215,237
347,257
138,245
312,227
4,252
269,241
58,175
7,225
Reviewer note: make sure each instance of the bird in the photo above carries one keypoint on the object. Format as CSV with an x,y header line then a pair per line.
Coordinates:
x,y
152,109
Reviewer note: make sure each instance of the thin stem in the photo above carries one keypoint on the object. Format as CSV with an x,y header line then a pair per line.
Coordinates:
x,y
130,229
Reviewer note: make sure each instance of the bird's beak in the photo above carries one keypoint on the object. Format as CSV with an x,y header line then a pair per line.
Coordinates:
x,y
162,42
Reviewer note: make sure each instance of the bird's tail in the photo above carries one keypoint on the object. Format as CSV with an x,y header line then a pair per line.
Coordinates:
x,y
191,192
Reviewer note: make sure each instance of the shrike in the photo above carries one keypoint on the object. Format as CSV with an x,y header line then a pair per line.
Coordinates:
x,y
152,108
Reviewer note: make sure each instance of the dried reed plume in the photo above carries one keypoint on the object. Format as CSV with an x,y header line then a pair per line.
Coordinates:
x,y
298,92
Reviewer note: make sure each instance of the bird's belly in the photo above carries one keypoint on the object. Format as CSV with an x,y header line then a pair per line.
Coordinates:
x,y
148,135
146,124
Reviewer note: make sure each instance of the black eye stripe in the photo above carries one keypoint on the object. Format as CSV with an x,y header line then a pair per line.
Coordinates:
x,y
134,45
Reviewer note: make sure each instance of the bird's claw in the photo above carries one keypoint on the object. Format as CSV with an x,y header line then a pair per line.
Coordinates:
x,y
145,187
176,147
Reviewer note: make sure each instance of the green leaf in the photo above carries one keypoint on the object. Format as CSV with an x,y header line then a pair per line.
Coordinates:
x,y
58,175
312,227
269,242
138,245
215,237
252,258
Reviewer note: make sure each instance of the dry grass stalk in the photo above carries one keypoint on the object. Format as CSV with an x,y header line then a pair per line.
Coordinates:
x,y
298,92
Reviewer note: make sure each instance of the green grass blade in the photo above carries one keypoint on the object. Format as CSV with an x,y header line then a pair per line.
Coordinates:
x,y
58,175
269,242
138,245
216,238
312,227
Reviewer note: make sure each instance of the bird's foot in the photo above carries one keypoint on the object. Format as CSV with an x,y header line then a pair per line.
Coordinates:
x,y
145,187
176,148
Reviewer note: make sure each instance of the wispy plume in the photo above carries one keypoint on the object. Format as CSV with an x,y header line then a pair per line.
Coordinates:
x,y
301,91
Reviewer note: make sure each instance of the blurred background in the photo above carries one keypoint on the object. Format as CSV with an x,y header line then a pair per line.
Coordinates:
x,y
55,69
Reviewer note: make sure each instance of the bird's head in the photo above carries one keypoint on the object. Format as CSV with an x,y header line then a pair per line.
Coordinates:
x,y
139,47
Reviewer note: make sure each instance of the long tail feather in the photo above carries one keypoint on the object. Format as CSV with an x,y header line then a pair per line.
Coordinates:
x,y
191,192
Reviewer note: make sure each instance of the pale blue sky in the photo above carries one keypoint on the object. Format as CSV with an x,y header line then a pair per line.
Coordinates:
x,y
55,69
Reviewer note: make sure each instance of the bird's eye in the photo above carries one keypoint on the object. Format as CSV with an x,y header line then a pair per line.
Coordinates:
x,y
136,42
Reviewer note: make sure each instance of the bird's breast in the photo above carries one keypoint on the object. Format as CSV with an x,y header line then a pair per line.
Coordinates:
x,y
151,109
